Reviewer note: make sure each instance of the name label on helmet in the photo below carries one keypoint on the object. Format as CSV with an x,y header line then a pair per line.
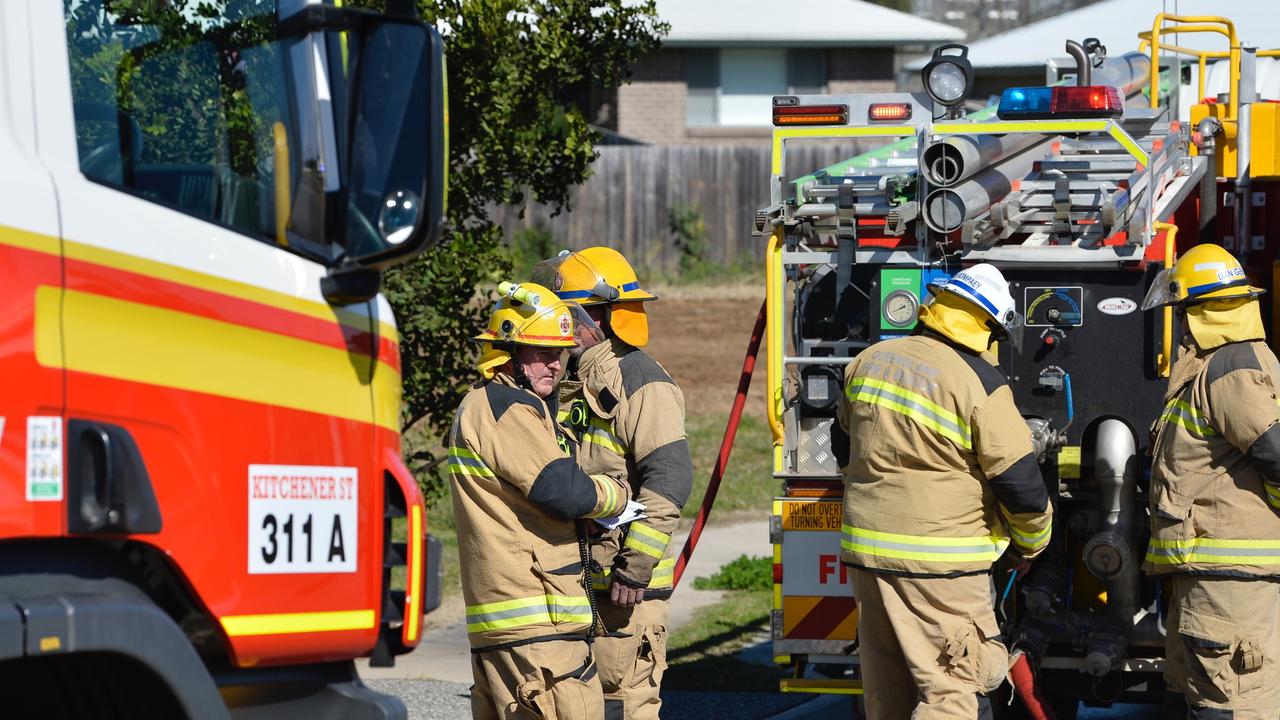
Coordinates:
x,y
1116,306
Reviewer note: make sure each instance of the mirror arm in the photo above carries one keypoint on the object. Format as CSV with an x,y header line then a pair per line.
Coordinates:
x,y
349,284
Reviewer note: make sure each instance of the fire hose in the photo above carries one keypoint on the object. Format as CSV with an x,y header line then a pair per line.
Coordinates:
x,y
726,446
1024,682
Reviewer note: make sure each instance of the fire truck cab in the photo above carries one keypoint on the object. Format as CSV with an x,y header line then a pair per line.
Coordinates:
x,y
199,429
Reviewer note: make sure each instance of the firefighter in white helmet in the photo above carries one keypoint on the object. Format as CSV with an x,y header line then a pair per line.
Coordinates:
x,y
517,498
941,479
1215,494
629,414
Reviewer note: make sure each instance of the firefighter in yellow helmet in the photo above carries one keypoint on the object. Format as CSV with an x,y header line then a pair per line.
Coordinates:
x,y
518,498
941,480
1215,494
630,417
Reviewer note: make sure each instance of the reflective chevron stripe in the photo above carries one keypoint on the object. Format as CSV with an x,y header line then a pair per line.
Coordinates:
x,y
1181,413
913,405
1213,550
663,575
600,432
464,462
614,501
646,540
919,547
535,610
1030,543
1273,495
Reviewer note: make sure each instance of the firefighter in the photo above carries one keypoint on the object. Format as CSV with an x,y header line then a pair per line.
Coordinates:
x,y
630,416
940,480
1215,492
517,498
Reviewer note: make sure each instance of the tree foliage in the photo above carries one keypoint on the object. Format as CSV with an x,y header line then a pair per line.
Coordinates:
x,y
517,69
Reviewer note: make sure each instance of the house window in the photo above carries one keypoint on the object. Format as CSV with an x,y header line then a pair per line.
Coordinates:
x,y
735,86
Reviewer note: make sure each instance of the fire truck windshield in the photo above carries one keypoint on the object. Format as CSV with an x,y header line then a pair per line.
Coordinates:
x,y
225,111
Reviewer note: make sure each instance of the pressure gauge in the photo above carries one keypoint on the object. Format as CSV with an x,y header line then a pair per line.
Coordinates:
x,y
899,309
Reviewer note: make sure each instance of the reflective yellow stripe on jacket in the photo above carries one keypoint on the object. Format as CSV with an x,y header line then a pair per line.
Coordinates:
x,y
614,501
1273,495
1181,413
920,547
597,431
1031,543
535,610
464,462
645,539
663,575
1214,550
914,405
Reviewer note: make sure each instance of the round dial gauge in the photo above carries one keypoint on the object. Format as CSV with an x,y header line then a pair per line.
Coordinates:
x,y
900,308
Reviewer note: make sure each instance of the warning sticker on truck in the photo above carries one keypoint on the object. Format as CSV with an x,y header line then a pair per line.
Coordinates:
x,y
817,592
302,519
44,458
813,515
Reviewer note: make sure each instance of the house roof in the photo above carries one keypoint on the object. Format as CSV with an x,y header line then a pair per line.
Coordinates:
x,y
1117,24
828,23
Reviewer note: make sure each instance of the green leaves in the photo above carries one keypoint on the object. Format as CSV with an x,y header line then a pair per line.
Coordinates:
x,y
519,73
742,574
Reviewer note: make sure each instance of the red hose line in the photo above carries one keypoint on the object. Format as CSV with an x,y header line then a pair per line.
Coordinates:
x,y
1024,681
726,446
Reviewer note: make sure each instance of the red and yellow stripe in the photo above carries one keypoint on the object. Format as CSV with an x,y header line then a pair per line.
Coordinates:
x,y
144,321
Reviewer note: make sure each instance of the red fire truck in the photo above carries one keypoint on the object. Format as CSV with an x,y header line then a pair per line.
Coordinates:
x,y
199,425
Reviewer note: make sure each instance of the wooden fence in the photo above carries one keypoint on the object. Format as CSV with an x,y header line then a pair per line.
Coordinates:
x,y
626,201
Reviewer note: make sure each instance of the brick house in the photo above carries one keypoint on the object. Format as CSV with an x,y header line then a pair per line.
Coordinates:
x,y
712,80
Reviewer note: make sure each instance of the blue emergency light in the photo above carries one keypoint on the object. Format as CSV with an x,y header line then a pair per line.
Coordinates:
x,y
1061,102
1024,102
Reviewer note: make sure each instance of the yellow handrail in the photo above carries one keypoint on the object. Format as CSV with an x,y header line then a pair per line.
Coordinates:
x,y
774,348
1165,359
1227,29
1201,56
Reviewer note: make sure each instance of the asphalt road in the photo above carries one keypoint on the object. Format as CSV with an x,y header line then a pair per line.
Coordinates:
x,y
438,700
830,707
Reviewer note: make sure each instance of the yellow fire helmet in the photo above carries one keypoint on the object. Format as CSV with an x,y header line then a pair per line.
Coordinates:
x,y
527,314
1205,272
601,276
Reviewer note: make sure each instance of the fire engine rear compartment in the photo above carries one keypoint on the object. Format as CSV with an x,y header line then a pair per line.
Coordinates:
x,y
1079,215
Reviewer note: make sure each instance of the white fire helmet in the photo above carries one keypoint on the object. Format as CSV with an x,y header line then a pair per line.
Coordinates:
x,y
984,285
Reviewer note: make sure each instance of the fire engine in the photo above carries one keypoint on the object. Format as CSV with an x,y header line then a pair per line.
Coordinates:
x,y
1080,191
199,430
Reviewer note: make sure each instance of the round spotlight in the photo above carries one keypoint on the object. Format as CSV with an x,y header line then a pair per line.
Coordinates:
x,y
948,78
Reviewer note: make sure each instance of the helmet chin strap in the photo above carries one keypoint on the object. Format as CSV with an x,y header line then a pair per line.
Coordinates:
x,y
606,323
517,369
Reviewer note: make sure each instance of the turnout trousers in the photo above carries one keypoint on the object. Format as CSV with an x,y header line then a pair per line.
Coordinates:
x,y
632,658
549,680
1222,645
930,648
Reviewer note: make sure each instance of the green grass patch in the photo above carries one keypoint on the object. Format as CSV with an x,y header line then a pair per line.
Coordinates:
x,y
702,654
745,573
748,485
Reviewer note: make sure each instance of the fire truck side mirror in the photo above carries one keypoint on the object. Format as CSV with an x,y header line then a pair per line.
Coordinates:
x,y
397,146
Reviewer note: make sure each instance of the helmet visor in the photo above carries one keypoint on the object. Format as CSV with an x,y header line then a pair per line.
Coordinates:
x,y
586,333
573,278
1163,291
1011,328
